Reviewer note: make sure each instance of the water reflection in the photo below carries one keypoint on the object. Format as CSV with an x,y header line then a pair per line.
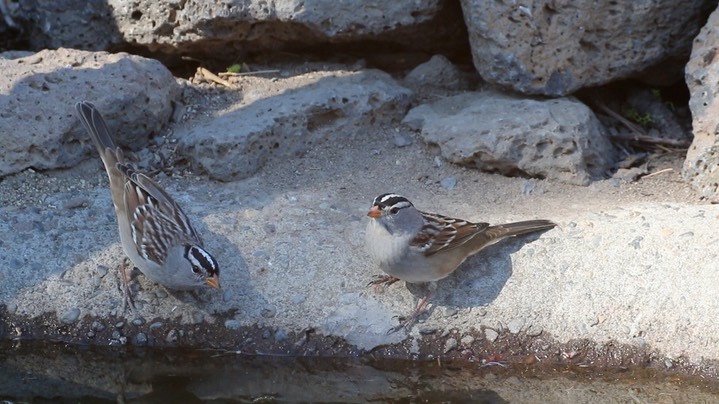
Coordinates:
x,y
35,372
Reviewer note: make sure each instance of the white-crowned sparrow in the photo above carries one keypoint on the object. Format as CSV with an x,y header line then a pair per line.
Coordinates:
x,y
155,234
417,247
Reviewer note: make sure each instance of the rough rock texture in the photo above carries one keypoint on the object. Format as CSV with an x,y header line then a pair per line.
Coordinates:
x,y
222,29
701,166
287,125
79,24
437,72
557,139
557,47
38,93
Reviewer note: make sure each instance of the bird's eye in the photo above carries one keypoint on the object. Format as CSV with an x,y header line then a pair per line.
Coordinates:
x,y
394,211
196,269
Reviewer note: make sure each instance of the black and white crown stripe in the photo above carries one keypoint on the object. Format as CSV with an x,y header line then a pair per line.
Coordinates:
x,y
199,258
392,201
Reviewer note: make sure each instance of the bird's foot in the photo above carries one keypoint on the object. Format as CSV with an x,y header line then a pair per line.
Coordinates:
x,y
126,277
384,280
408,322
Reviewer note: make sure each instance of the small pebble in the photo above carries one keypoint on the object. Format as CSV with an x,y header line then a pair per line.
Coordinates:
x,y
101,270
402,140
615,182
161,293
116,335
481,312
298,299
450,311
11,308
70,316
96,281
268,312
232,324
534,330
450,344
119,324
467,340
639,341
97,326
427,330
668,363
448,183
437,161
491,335
532,186
266,334
270,228
77,202
444,333
156,325
171,336
280,335
141,339
90,334
138,321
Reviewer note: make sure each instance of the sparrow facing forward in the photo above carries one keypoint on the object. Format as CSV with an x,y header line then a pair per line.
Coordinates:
x,y
418,247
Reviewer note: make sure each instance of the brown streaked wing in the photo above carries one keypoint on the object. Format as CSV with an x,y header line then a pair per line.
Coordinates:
x,y
154,233
448,232
150,192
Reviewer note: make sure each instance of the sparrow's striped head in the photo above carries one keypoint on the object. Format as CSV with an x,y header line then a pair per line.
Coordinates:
x,y
388,204
203,265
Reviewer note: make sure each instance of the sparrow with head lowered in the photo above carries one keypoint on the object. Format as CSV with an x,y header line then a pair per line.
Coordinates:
x,y
419,247
155,233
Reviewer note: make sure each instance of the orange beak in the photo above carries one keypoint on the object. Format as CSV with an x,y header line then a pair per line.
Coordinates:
x,y
375,212
213,281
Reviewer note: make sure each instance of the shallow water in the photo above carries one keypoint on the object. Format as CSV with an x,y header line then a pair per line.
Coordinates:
x,y
42,371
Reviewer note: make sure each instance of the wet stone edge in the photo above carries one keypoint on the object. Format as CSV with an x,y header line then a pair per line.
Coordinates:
x,y
449,346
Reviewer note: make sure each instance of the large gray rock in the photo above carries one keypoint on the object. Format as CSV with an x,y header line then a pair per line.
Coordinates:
x,y
557,47
79,24
39,125
557,139
237,144
701,166
221,29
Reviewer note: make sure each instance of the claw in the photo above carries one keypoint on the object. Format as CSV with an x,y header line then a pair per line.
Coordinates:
x,y
383,279
408,322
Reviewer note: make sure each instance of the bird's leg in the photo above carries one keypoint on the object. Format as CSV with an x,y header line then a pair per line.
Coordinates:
x,y
126,277
407,322
383,279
